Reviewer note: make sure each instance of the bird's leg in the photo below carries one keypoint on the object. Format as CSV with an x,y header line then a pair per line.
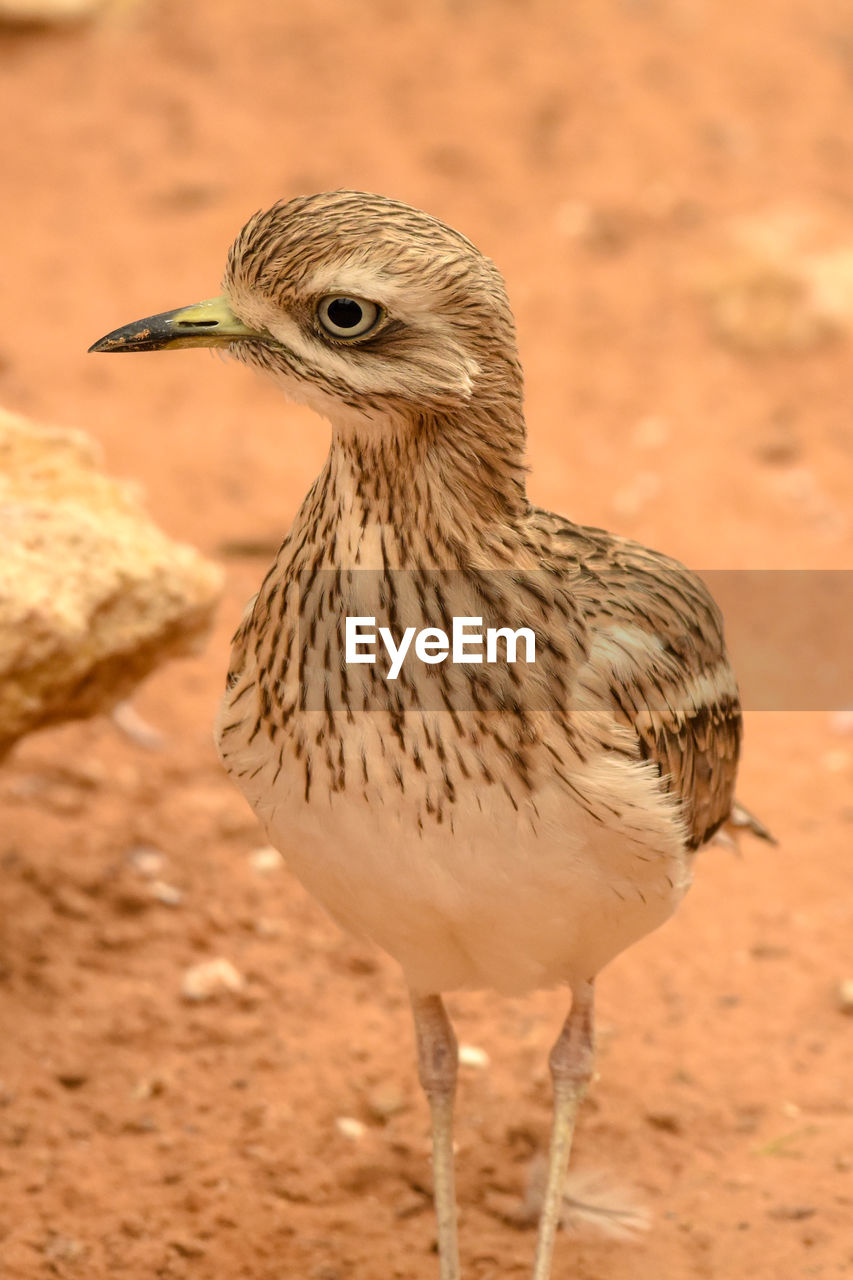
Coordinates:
x,y
437,1063
571,1070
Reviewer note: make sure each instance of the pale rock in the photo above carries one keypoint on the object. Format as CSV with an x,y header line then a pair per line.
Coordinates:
x,y
470,1055
209,979
93,596
147,861
128,721
168,895
265,860
350,1127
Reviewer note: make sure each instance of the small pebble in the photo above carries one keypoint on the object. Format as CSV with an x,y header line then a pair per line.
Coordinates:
x,y
268,927
265,860
146,860
209,979
128,721
148,1087
165,893
350,1127
471,1056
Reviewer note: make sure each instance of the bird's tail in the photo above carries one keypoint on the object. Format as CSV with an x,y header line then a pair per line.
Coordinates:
x,y
740,819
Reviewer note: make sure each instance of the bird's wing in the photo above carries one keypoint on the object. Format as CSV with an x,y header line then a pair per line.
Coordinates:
x,y
656,653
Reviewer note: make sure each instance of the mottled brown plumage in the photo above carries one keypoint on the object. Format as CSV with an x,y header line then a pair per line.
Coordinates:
x,y
511,828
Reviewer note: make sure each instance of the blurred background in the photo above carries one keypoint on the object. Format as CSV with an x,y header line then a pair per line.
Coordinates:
x,y
667,186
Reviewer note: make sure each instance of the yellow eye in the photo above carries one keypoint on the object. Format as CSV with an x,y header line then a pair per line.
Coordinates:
x,y
347,317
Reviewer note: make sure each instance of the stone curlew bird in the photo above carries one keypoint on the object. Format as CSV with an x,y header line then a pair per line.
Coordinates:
x,y
506,836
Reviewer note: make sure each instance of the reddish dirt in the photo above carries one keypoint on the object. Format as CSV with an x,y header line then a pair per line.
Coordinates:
x,y
597,152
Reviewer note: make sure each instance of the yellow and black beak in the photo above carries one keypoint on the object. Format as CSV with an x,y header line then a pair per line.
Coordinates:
x,y
205,324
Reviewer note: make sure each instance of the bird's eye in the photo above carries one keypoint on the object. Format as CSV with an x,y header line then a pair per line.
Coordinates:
x,y
347,317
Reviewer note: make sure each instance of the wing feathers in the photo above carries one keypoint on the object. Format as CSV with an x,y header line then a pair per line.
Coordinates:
x,y
657,653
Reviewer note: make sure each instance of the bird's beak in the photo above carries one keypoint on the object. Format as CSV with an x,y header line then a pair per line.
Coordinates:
x,y
205,324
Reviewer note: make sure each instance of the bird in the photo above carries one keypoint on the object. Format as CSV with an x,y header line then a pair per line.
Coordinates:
x,y
505,829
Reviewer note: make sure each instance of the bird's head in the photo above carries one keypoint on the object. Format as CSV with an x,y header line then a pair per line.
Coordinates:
x,y
360,306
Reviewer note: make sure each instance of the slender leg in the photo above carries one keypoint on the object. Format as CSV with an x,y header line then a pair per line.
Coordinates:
x,y
437,1062
571,1070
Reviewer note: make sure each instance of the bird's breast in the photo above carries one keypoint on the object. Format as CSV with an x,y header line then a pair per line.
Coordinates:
x,y
477,850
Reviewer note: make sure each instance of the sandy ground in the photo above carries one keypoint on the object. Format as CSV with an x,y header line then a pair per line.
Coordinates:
x,y
601,153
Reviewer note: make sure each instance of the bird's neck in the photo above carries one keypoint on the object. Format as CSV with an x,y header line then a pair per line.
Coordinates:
x,y
448,476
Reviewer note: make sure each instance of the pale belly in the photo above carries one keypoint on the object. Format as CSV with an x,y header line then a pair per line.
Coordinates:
x,y
485,884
